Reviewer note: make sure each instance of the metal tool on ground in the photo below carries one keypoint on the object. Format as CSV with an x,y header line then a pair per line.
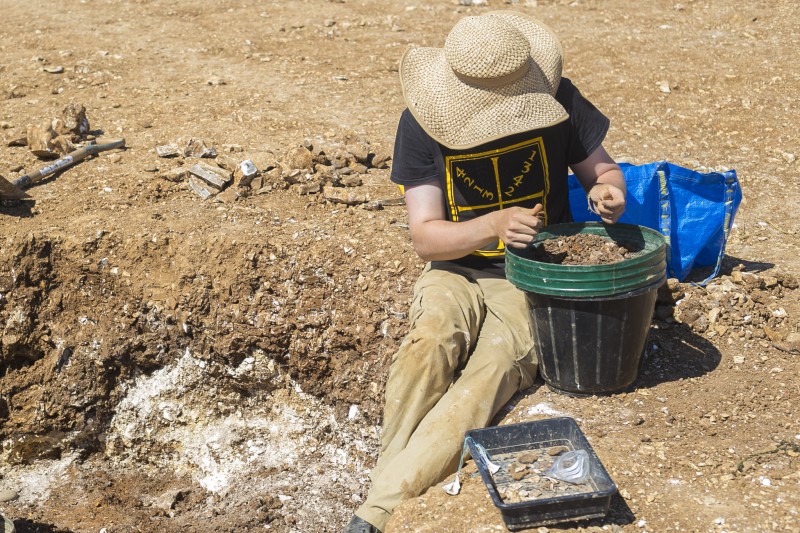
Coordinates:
x,y
14,190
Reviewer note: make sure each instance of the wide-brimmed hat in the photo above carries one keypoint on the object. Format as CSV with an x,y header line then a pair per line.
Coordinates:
x,y
496,75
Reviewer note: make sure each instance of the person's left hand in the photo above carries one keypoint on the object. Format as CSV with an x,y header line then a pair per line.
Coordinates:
x,y
607,201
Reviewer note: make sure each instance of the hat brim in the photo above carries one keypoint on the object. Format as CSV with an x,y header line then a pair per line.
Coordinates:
x,y
460,115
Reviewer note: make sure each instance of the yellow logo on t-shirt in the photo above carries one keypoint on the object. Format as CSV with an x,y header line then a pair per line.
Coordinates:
x,y
496,179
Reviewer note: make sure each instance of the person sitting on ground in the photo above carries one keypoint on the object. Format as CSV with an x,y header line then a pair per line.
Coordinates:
x,y
482,152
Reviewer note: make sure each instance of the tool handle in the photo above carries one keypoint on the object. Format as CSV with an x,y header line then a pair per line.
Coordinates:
x,y
70,159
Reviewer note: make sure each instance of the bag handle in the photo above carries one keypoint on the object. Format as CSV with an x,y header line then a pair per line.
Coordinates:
x,y
730,186
665,218
665,215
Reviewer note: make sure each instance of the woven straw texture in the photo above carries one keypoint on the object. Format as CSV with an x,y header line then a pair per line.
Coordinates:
x,y
496,76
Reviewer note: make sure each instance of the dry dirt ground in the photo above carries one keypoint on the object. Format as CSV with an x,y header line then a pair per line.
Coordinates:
x,y
173,363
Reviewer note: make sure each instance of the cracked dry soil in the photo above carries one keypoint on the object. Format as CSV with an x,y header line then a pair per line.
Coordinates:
x,y
173,363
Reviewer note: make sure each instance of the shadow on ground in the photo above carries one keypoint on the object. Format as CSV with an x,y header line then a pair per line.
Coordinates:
x,y
26,526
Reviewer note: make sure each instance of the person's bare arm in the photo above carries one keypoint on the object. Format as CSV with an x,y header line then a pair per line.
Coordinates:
x,y
604,183
437,239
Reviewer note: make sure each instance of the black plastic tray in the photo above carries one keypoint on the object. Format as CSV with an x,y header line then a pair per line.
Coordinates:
x,y
516,439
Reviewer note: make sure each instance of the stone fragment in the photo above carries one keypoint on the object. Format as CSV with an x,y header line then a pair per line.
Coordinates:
x,y
229,195
263,160
63,145
293,177
54,69
40,140
198,148
774,334
528,458
200,187
298,158
770,282
748,279
168,150
352,181
342,195
790,344
373,206
177,174
74,120
376,205
257,183
381,160
517,473
788,281
556,450
167,500
311,187
228,162
360,151
216,177
270,177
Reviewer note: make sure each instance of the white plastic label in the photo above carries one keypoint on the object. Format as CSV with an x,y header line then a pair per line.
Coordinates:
x,y
64,161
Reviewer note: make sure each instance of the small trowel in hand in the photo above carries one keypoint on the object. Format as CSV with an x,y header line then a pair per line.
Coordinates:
x,y
14,190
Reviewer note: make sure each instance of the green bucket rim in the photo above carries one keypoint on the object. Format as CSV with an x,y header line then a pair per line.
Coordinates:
x,y
647,269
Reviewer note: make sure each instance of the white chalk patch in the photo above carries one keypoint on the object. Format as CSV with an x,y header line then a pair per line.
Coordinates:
x,y
164,422
544,409
353,413
34,482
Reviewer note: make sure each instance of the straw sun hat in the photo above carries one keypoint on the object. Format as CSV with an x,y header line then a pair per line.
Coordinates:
x,y
496,75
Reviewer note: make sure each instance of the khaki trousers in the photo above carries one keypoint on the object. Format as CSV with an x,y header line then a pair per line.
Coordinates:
x,y
468,351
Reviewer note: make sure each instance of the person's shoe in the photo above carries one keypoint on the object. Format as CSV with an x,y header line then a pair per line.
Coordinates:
x,y
8,525
359,525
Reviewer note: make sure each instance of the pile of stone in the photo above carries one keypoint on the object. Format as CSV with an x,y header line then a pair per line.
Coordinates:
x,y
57,137
742,306
335,170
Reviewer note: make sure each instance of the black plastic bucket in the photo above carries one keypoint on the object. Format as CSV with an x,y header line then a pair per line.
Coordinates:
x,y
590,322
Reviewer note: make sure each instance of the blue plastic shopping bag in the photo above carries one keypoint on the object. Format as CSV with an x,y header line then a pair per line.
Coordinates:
x,y
693,210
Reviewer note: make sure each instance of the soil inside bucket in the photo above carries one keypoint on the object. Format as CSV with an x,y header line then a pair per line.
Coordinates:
x,y
583,249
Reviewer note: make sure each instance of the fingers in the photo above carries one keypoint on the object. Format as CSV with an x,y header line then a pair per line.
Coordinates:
x,y
610,211
608,203
522,226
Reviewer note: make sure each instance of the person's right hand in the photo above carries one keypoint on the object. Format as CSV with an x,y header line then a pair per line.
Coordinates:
x,y
517,226
607,201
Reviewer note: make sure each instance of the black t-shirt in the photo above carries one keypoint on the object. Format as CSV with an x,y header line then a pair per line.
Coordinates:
x,y
523,170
